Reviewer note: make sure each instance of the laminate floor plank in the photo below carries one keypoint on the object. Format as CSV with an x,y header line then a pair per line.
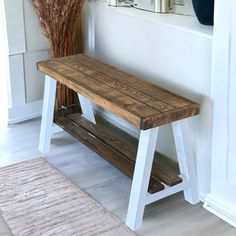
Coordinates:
x,y
170,216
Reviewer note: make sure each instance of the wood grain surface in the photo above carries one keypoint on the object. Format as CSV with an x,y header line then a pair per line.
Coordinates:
x,y
110,154
141,103
129,152
112,149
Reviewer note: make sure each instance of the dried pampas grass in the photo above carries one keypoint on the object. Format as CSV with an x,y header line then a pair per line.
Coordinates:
x,y
59,21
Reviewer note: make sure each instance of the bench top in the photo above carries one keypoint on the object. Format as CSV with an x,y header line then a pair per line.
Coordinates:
x,y
138,101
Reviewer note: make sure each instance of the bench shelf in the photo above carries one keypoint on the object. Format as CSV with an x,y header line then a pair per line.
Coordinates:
x,y
114,150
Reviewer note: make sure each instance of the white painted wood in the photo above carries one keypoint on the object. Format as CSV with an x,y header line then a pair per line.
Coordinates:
x,y
34,80
221,199
17,81
143,166
47,116
35,40
232,103
22,35
167,192
222,208
183,143
25,112
87,108
220,80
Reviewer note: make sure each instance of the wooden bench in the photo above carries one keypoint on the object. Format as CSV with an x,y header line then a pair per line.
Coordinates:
x,y
141,103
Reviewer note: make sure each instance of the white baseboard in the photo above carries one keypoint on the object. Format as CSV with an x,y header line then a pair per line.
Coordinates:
x,y
221,208
25,112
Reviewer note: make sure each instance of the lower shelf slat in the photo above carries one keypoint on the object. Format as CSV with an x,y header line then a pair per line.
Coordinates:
x,y
108,153
164,175
112,149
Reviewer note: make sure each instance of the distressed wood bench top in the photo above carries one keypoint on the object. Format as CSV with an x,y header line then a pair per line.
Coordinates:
x,y
138,101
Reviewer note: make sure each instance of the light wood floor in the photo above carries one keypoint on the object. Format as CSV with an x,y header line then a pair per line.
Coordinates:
x,y
169,217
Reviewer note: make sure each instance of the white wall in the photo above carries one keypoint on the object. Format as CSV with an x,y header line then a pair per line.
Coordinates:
x,y
26,46
176,57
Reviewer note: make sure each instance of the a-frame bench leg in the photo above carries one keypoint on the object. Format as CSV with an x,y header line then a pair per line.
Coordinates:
x,y
47,115
87,108
143,166
185,158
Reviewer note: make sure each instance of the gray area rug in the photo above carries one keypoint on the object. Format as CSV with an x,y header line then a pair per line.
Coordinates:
x,y
36,199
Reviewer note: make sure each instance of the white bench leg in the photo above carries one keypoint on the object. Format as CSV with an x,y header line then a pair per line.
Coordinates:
x,y
47,115
87,108
185,158
143,166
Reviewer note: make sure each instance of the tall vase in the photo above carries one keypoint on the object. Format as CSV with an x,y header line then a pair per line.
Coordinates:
x,y
204,10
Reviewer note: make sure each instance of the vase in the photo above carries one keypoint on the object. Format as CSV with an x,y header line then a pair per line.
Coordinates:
x,y
204,10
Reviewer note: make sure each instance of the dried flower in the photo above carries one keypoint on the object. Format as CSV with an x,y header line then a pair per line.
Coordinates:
x,y
59,21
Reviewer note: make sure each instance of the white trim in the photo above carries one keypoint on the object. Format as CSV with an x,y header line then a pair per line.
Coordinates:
x,y
25,112
221,208
202,196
